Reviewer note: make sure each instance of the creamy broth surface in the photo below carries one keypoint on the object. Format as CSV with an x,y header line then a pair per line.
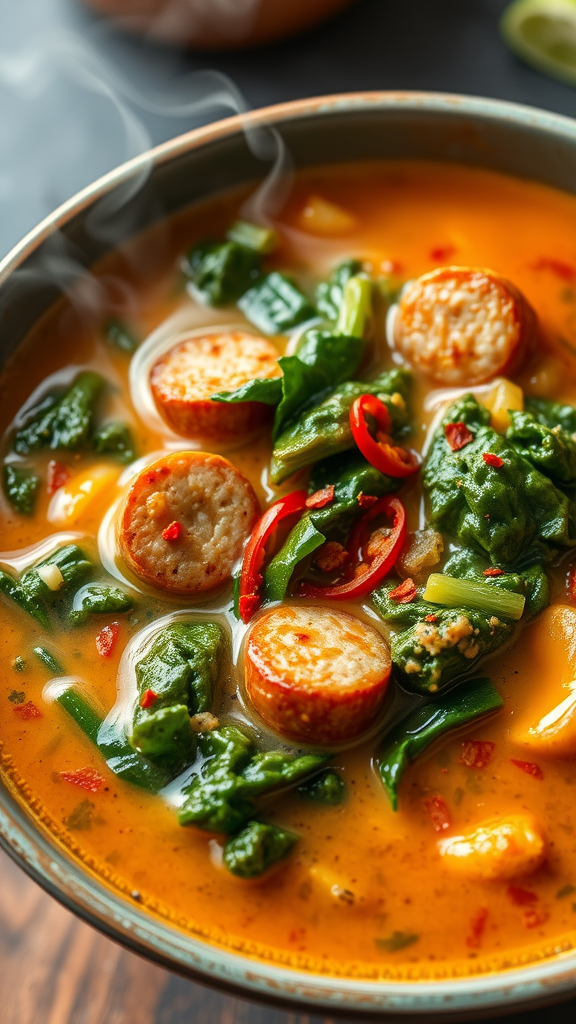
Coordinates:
x,y
361,873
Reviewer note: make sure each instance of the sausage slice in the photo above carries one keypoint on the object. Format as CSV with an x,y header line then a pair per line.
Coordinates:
x,y
316,675
185,520
463,325
184,379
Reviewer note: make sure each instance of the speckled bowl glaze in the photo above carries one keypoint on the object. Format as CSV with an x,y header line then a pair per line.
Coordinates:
x,y
503,137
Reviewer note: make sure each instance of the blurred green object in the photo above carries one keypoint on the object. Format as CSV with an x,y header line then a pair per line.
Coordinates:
x,y
543,33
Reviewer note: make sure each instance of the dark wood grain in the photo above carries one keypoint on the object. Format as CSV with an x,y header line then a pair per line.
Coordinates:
x,y
54,969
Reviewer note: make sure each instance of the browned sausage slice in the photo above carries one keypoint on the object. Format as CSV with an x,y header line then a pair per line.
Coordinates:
x,y
185,520
315,674
463,325
184,379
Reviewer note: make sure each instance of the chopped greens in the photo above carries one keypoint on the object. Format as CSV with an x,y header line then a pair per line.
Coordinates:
x,y
98,600
258,846
276,305
120,336
327,788
49,661
21,488
115,439
330,294
63,422
221,272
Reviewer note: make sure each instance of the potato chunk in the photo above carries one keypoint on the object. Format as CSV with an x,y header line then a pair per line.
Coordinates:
x,y
316,675
463,325
498,849
184,379
185,520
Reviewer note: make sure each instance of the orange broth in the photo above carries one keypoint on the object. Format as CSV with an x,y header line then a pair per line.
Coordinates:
x,y
410,216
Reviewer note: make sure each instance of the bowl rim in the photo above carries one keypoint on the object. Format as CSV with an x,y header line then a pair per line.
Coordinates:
x,y
63,877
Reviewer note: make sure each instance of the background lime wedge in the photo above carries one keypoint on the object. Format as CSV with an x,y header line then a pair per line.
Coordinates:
x,y
543,33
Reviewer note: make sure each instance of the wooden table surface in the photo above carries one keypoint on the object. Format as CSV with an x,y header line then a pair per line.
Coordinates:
x,y
54,969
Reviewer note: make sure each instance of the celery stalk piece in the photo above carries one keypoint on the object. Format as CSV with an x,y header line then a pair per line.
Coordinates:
x,y
447,590
253,236
355,307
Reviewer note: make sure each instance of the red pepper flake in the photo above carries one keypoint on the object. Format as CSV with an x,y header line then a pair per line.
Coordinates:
x,y
148,699
531,769
366,500
431,618
404,592
492,460
493,572
57,476
27,711
442,252
321,498
439,814
457,435
477,927
477,753
558,267
86,778
521,897
534,917
572,584
106,639
173,531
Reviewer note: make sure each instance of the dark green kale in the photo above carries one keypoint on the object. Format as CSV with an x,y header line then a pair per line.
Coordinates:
x,y
120,336
222,271
276,305
327,788
13,589
472,700
256,848
552,450
21,488
72,563
329,294
513,514
323,428
221,795
552,414
64,422
97,599
115,439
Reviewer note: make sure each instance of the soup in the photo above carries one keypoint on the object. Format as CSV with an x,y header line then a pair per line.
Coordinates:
x,y
293,669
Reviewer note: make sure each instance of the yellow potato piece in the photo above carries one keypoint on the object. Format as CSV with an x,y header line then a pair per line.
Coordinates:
x,y
496,850
503,397
77,498
321,217
555,734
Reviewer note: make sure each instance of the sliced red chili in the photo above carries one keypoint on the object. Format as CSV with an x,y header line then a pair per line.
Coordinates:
x,y
477,927
173,531
442,252
530,768
562,270
321,498
148,699
381,451
363,577
107,638
493,572
85,778
457,435
251,580
492,460
404,592
477,753
58,474
366,500
27,711
431,618
437,809
521,897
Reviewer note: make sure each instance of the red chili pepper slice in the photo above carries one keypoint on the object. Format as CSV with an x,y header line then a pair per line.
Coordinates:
x,y
457,435
106,639
364,576
477,926
404,593
321,498
431,618
477,753
531,769
172,532
493,572
521,897
442,252
366,500
250,577
558,267
492,460
27,711
86,778
439,814
148,699
381,451
56,476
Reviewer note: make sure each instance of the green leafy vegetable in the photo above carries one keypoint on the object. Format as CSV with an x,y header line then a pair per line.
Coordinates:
x,y
96,599
19,664
253,236
17,696
552,414
63,422
49,661
220,797
21,488
552,450
472,700
326,788
72,563
115,439
13,589
275,305
120,336
330,294
397,941
222,272
256,848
